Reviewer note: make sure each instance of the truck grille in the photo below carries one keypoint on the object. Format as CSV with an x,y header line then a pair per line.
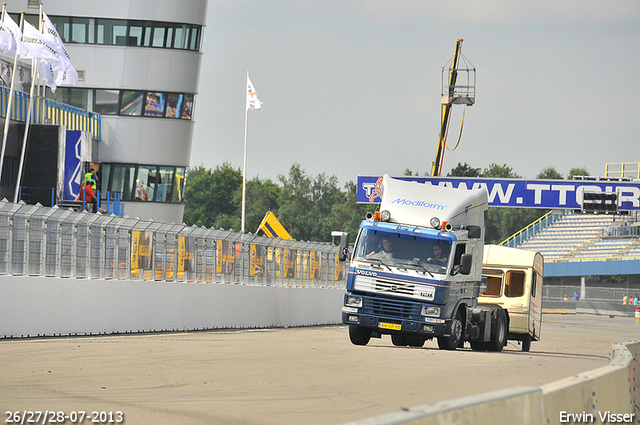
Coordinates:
x,y
391,308
397,287
400,288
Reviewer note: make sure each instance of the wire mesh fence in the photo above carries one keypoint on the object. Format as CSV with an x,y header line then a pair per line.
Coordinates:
x,y
592,293
44,241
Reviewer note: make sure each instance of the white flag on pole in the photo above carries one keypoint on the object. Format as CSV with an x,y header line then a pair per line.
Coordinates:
x,y
46,71
67,73
56,42
14,28
252,97
7,42
39,46
55,66
68,76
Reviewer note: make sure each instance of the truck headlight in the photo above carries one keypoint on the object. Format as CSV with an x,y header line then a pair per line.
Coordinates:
x,y
435,223
429,310
353,301
346,309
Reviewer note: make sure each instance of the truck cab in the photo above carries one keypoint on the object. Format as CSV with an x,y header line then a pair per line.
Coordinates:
x,y
416,268
512,279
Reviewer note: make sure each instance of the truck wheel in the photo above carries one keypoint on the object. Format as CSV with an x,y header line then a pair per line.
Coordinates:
x,y
499,337
526,343
398,340
358,335
451,342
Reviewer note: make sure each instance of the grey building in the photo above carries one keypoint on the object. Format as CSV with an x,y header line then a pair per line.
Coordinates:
x,y
138,63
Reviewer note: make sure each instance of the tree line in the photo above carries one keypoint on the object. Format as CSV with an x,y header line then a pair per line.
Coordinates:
x,y
310,208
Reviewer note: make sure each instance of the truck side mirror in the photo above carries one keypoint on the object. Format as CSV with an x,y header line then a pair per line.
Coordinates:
x,y
343,249
474,232
465,263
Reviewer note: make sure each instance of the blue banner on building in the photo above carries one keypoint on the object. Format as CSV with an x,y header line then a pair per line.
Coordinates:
x,y
547,194
77,151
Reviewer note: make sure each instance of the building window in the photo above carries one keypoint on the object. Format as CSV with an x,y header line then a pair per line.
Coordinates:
x,y
146,183
159,35
147,30
126,102
106,102
136,32
131,103
122,179
174,103
81,30
118,31
195,37
187,107
154,106
165,184
142,183
122,32
178,194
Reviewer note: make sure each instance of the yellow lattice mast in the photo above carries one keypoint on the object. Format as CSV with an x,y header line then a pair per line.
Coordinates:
x,y
458,88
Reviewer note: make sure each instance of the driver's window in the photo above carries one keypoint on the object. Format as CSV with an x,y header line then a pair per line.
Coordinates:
x,y
460,249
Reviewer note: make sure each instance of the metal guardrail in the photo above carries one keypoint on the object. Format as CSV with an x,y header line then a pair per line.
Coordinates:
x,y
592,259
51,112
623,169
592,293
50,241
519,237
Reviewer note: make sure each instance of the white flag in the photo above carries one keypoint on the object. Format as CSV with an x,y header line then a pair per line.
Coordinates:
x,y
49,48
46,71
56,43
68,76
7,42
17,35
252,97
39,46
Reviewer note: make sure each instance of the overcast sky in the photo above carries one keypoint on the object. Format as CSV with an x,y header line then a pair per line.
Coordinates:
x,y
352,87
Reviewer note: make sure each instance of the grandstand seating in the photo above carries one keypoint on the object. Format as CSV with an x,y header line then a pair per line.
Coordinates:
x,y
583,237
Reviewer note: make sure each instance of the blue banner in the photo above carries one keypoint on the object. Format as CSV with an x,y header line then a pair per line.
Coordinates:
x,y
547,194
73,165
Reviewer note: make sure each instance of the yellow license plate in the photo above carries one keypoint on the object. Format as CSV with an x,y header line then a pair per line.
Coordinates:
x,y
391,326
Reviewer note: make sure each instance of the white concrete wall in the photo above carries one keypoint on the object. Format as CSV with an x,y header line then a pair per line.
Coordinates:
x,y
33,306
612,388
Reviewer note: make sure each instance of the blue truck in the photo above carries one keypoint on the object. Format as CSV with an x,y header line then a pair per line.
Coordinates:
x,y
415,270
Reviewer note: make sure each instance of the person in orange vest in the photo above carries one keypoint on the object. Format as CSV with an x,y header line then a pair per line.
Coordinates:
x,y
87,195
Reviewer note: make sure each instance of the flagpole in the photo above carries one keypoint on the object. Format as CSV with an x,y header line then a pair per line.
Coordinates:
x,y
34,76
244,163
7,117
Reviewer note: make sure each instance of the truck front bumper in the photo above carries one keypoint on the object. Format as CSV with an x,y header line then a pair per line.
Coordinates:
x,y
389,325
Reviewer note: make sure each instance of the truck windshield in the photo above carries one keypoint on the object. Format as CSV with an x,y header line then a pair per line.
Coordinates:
x,y
392,249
